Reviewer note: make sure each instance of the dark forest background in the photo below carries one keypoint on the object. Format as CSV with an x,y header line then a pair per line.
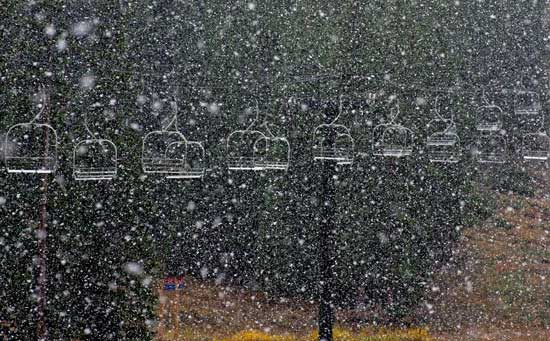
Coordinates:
x,y
396,221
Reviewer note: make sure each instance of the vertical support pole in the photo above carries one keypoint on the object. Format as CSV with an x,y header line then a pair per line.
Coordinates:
x,y
42,281
326,252
42,233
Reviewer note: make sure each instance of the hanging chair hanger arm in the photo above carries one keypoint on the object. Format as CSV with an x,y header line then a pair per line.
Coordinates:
x,y
86,126
451,126
264,122
394,113
257,118
174,121
35,118
340,109
437,111
45,101
484,96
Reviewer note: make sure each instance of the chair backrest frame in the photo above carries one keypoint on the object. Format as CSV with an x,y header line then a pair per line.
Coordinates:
x,y
41,169
95,173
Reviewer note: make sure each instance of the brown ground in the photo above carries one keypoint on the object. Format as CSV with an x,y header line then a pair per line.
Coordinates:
x,y
500,287
221,311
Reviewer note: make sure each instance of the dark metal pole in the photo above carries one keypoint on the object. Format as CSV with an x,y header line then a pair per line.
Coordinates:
x,y
326,252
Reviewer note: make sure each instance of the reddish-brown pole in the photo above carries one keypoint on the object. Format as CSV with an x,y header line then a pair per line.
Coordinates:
x,y
42,259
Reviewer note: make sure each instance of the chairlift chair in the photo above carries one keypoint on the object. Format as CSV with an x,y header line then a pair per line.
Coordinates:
x,y
396,141
194,161
162,152
535,146
491,148
167,152
243,151
443,146
170,154
392,139
527,103
276,154
95,159
275,149
254,149
528,111
489,118
31,148
333,142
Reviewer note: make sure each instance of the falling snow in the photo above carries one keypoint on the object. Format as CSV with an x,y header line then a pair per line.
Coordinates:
x,y
213,170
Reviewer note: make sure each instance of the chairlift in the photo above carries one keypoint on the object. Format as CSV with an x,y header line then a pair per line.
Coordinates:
x,y
94,159
527,103
276,153
242,150
333,142
491,148
31,148
489,118
194,161
443,146
159,152
167,152
254,149
392,139
535,146
528,111
275,149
